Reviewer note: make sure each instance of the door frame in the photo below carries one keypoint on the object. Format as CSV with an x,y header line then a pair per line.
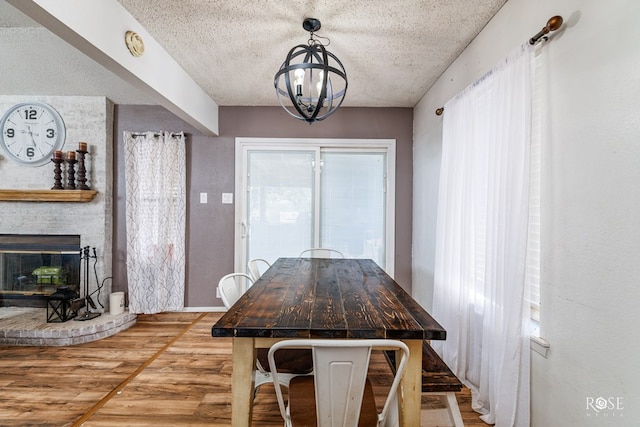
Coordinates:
x,y
243,144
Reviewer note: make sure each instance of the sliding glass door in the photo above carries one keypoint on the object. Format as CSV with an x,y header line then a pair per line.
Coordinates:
x,y
298,194
352,204
280,203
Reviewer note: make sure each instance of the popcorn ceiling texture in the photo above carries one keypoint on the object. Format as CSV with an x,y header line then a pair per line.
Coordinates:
x,y
393,51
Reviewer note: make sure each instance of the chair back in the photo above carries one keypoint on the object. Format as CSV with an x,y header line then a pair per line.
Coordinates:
x,y
321,253
340,373
256,267
232,286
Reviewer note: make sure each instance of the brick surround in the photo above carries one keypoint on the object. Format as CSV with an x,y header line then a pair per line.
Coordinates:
x,y
88,119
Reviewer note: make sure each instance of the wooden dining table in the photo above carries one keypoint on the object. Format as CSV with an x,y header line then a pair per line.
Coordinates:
x,y
325,298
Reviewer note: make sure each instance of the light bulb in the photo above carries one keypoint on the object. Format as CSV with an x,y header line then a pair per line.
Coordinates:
x,y
319,85
299,79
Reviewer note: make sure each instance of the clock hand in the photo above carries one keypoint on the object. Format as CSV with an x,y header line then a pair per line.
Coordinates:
x,y
31,135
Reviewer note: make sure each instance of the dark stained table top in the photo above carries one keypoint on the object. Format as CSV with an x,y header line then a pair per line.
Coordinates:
x,y
327,298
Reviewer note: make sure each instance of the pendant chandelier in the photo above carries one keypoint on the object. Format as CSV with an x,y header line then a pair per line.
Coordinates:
x,y
312,82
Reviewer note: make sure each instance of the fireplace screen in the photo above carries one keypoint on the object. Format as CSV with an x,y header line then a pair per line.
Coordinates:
x,y
38,265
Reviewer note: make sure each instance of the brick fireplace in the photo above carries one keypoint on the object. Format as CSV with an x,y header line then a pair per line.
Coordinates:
x,y
88,119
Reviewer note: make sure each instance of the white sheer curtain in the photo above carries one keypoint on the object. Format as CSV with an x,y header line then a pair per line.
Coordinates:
x,y
156,215
481,240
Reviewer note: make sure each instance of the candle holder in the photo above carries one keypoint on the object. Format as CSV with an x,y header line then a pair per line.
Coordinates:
x,y
82,171
71,174
57,173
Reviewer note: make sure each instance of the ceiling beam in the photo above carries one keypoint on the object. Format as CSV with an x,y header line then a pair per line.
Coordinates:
x,y
97,28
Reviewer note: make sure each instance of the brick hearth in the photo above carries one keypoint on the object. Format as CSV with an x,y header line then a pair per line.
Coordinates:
x,y
28,326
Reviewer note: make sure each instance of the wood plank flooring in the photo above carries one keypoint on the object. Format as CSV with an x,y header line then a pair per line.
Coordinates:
x,y
166,370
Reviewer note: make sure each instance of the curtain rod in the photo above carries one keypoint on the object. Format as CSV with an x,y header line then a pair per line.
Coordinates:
x,y
553,24
137,134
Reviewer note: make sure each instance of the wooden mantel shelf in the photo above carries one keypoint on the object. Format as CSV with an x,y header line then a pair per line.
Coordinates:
x,y
47,195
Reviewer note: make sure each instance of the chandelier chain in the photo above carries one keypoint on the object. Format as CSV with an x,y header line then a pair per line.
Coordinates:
x,y
313,42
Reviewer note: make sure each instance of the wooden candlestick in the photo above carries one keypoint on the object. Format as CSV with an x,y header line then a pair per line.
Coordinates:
x,y
71,173
57,172
82,171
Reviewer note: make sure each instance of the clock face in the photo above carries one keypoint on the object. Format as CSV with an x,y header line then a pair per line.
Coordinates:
x,y
31,132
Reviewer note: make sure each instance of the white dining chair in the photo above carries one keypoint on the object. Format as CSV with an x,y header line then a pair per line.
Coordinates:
x,y
321,253
231,288
339,393
256,267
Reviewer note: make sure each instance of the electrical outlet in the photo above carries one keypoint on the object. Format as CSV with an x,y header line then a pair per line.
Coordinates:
x,y
218,293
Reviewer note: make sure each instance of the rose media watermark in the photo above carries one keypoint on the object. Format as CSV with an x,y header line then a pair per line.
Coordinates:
x,y
611,406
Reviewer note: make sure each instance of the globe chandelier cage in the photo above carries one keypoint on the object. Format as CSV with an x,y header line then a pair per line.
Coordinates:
x,y
311,83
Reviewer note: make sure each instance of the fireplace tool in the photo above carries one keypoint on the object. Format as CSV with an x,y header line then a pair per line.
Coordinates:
x,y
87,301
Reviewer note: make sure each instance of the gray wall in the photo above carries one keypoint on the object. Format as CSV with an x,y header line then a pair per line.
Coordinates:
x,y
210,163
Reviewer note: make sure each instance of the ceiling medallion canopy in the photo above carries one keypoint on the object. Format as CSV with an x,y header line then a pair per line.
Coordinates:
x,y
312,82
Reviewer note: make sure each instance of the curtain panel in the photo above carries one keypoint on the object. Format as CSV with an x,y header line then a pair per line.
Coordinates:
x,y
155,174
481,240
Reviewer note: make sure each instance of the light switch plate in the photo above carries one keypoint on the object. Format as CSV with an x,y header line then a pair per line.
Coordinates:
x,y
227,198
203,197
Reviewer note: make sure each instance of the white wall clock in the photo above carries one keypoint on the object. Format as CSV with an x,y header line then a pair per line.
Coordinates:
x,y
31,132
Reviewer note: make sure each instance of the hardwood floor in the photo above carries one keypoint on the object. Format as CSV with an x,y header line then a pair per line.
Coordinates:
x,y
166,370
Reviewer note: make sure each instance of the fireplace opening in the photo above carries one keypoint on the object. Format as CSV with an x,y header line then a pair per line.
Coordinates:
x,y
33,267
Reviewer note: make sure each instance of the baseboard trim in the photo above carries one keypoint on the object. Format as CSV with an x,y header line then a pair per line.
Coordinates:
x,y
205,309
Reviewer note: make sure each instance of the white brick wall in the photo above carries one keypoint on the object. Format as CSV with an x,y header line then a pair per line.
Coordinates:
x,y
88,119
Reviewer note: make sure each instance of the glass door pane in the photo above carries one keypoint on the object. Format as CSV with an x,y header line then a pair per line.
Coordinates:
x,y
352,204
280,202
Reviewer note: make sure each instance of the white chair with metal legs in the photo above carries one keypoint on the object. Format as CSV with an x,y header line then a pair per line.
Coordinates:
x,y
231,288
339,393
256,267
321,253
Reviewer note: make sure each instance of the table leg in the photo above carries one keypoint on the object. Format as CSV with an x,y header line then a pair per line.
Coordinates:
x,y
244,362
411,386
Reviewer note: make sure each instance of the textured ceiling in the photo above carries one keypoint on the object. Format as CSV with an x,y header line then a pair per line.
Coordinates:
x,y
393,51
